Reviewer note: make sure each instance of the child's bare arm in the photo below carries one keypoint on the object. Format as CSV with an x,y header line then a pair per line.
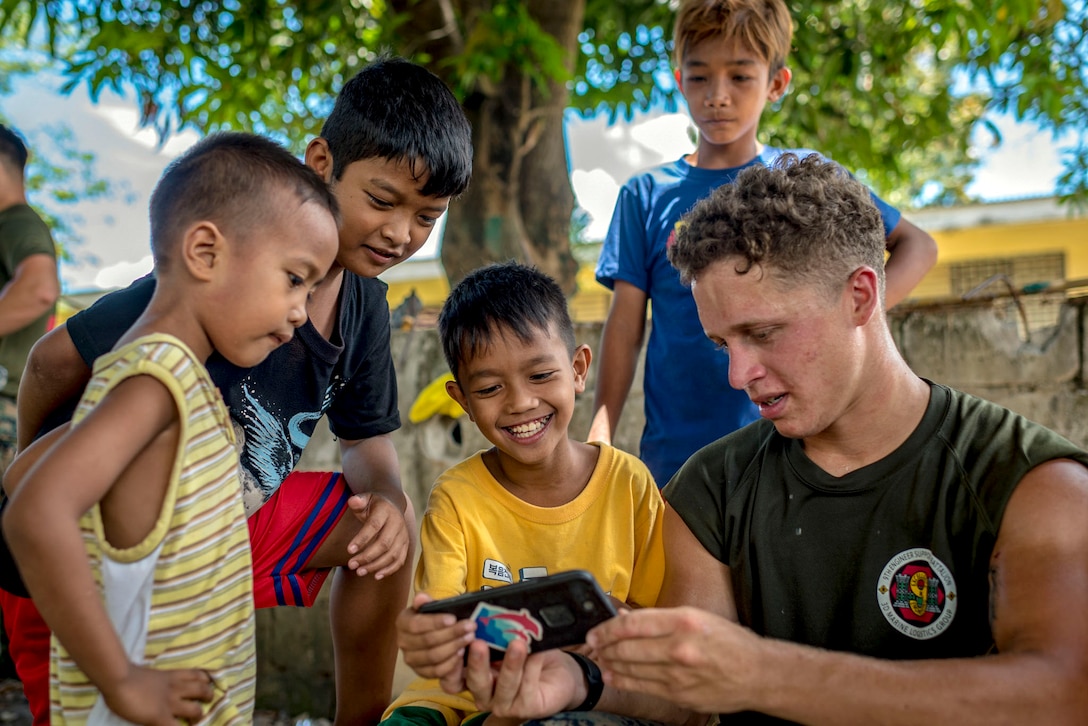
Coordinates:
x,y
912,252
41,523
26,458
621,343
54,374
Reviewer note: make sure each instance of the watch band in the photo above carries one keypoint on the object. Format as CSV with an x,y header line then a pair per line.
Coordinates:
x,y
594,681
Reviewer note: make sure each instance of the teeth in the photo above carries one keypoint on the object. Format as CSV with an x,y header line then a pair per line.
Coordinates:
x,y
772,401
526,430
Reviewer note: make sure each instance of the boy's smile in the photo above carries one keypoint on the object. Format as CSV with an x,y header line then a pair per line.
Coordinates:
x,y
521,396
532,428
386,219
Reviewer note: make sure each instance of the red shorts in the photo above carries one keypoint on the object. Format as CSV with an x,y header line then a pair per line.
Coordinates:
x,y
286,531
28,645
284,534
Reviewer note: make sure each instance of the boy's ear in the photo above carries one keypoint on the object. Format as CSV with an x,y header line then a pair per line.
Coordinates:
x,y
780,82
679,79
453,388
582,356
319,158
201,247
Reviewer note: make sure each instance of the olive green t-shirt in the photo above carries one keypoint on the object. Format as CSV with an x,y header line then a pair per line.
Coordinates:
x,y
22,234
891,560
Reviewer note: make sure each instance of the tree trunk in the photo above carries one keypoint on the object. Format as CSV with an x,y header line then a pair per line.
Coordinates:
x,y
520,201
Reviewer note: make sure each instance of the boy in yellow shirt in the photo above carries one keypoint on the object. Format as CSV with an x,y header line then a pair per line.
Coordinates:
x,y
536,503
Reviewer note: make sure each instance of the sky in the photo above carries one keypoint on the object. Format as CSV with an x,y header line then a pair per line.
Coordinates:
x,y
114,248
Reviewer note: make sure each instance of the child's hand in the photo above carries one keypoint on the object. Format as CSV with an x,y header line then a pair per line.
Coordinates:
x,y
434,645
160,697
619,604
381,546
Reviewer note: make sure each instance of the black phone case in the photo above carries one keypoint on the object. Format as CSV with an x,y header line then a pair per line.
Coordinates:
x,y
547,612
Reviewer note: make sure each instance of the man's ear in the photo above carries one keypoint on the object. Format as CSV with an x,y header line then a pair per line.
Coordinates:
x,y
864,290
780,83
582,356
453,388
202,246
319,158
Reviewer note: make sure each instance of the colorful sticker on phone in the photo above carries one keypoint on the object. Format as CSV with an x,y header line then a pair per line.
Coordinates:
x,y
499,627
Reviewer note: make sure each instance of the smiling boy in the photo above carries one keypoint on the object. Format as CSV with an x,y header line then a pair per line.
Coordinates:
x,y
731,61
395,150
537,502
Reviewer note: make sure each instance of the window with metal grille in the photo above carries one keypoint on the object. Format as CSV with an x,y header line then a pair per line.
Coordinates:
x,y
996,275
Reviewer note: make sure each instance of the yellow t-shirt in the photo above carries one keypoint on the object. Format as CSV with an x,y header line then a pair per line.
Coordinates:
x,y
475,534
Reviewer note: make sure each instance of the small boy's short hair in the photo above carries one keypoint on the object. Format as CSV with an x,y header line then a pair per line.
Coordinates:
x,y
800,219
506,296
13,150
765,26
394,109
229,178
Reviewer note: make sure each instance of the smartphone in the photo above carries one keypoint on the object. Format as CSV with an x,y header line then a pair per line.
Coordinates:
x,y
546,612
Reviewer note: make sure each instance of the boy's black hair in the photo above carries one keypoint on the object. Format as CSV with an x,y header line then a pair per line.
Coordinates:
x,y
12,148
394,109
506,296
229,178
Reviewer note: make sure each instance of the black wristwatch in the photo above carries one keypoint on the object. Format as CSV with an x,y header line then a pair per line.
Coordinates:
x,y
593,680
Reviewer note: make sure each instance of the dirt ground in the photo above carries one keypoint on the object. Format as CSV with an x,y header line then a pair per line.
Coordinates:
x,y
13,711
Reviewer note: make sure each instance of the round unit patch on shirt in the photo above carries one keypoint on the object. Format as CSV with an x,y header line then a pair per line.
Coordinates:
x,y
917,594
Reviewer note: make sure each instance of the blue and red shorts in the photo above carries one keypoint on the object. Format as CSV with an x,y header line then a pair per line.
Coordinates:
x,y
286,531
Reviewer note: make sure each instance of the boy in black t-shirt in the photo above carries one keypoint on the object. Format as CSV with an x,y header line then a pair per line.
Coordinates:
x,y
395,149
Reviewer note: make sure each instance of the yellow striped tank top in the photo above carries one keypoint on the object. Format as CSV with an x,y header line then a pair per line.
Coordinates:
x,y
182,598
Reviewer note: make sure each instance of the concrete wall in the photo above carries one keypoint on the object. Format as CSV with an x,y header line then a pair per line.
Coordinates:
x,y
974,348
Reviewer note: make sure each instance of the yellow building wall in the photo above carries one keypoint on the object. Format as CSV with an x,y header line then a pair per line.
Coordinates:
x,y
1066,236
431,290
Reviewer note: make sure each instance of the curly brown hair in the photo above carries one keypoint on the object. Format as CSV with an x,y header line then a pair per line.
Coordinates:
x,y
803,219
764,26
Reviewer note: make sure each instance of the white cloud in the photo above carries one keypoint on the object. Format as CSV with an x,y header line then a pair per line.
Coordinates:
x,y
126,121
597,192
1026,163
115,231
121,274
666,135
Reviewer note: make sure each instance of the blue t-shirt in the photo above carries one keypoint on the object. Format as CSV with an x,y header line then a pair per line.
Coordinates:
x,y
688,400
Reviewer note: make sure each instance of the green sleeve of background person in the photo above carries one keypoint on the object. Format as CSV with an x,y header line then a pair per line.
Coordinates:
x,y
22,233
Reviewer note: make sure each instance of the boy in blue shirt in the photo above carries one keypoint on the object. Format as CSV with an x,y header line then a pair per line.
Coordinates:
x,y
731,61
